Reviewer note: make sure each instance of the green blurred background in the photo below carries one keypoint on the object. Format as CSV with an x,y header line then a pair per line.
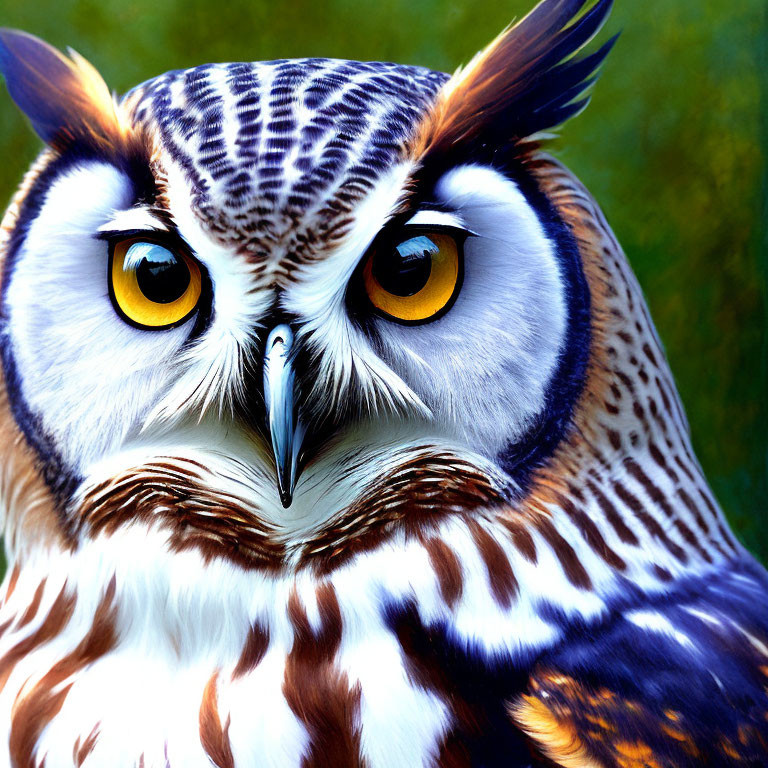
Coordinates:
x,y
673,147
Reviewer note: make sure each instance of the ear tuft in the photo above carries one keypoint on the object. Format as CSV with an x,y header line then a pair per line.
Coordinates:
x,y
64,98
529,79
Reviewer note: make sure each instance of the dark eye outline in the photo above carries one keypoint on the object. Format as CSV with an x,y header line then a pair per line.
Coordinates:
x,y
390,240
170,243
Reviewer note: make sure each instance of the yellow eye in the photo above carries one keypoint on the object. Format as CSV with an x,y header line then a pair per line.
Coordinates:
x,y
415,280
152,286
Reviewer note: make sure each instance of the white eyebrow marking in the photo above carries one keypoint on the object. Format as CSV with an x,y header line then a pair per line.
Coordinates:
x,y
133,218
429,217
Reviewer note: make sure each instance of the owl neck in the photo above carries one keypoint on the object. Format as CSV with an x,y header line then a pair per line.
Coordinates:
x,y
626,477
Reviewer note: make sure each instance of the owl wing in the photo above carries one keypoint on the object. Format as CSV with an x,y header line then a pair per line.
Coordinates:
x,y
660,688
577,725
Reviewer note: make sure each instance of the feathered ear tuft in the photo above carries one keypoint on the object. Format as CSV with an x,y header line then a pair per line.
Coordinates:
x,y
64,98
527,80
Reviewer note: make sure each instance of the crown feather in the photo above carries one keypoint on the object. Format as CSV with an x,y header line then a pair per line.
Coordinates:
x,y
529,79
65,98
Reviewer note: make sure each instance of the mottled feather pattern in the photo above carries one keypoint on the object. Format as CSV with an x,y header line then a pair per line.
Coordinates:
x,y
180,495
283,187
689,697
572,599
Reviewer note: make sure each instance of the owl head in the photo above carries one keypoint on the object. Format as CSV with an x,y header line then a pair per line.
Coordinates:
x,y
276,308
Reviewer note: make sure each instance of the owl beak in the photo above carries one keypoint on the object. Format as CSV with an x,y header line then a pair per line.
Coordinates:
x,y
285,429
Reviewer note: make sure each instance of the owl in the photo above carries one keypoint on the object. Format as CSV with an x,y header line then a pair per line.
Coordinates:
x,y
336,433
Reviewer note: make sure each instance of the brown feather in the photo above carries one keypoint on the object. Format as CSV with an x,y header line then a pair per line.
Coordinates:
x,y
528,79
64,97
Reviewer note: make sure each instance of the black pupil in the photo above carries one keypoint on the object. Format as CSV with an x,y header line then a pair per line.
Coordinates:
x,y
161,276
404,269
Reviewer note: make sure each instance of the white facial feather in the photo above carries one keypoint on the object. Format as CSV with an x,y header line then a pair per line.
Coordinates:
x,y
212,367
479,373
238,466
486,364
86,374
318,297
90,377
481,370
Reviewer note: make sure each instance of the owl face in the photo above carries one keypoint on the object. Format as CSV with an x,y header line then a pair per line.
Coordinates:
x,y
292,270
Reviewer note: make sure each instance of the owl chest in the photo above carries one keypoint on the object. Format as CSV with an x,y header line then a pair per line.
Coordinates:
x,y
400,697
